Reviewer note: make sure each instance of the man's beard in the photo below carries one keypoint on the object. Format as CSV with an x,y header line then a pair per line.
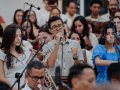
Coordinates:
x,y
112,12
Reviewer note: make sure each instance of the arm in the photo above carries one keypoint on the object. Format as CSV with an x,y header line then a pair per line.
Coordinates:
x,y
2,78
52,58
100,62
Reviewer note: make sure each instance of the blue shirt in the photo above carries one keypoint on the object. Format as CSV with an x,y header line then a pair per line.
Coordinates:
x,y
101,51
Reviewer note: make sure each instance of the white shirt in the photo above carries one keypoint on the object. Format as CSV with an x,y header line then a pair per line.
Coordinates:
x,y
67,55
26,87
19,64
106,17
70,19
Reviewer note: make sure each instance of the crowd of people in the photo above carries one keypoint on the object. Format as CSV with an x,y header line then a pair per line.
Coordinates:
x,y
86,49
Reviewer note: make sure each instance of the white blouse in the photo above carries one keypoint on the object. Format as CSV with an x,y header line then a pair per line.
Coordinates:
x,y
19,64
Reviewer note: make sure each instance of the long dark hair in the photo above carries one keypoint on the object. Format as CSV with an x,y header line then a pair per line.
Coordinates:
x,y
85,25
25,16
31,34
14,18
104,33
8,39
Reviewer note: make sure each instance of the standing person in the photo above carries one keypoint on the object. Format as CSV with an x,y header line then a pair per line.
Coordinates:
x,y
43,14
105,53
13,57
95,7
61,51
18,17
113,5
82,77
70,12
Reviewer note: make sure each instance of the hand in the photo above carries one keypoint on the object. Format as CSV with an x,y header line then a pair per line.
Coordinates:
x,y
74,52
58,37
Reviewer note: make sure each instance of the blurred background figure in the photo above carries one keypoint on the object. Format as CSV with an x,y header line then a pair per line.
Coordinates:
x,y
4,86
113,73
18,17
81,77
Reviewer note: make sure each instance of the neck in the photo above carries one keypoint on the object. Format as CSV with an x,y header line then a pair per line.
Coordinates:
x,y
94,16
108,46
12,49
71,14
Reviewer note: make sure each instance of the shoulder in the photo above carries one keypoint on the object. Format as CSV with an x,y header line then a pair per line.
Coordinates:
x,y
2,55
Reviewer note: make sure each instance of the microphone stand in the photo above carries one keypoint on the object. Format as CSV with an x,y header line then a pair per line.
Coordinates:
x,y
19,75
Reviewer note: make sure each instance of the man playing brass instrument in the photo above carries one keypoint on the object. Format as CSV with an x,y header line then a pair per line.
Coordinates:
x,y
34,76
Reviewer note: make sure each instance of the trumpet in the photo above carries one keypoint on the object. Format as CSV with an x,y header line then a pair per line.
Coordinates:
x,y
49,82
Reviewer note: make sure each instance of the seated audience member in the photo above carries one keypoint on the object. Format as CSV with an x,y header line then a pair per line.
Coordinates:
x,y
18,17
105,53
86,54
34,76
59,50
81,77
80,26
4,86
113,73
116,21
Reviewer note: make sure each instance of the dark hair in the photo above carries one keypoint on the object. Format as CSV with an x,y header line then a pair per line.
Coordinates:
x,y
34,64
82,44
70,1
14,18
85,25
31,34
56,9
51,2
76,71
25,16
113,71
8,39
96,2
104,32
55,18
4,86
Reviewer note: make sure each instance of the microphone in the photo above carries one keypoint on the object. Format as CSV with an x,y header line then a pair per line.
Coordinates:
x,y
38,8
57,76
60,37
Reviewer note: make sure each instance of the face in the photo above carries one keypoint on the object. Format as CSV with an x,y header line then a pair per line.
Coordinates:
x,y
109,38
32,16
50,7
55,12
75,36
35,77
27,27
95,9
18,38
79,27
56,26
117,24
18,17
71,9
86,81
113,6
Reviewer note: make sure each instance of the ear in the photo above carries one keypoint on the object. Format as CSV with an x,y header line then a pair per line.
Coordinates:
x,y
50,30
75,83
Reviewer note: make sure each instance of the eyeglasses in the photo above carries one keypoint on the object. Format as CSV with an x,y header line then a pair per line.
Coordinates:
x,y
36,78
56,26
